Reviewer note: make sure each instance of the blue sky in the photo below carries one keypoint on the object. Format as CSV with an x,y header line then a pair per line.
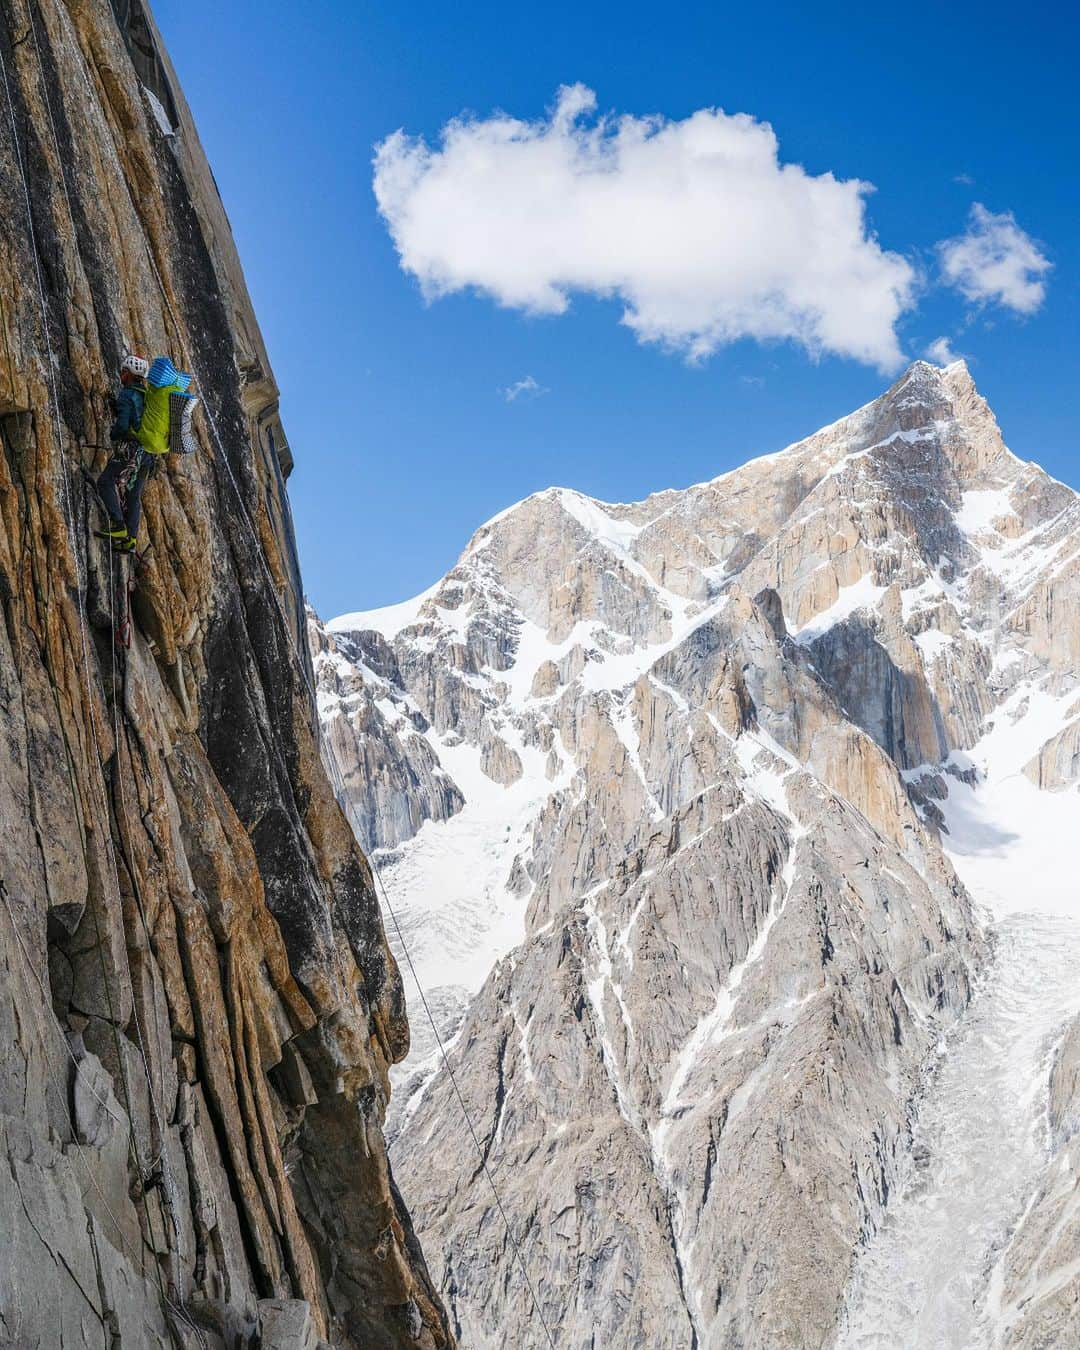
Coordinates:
x,y
404,439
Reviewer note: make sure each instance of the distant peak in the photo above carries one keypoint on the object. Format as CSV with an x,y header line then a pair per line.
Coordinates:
x,y
928,383
929,370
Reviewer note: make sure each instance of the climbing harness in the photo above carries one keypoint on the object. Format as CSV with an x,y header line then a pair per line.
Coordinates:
x,y
133,454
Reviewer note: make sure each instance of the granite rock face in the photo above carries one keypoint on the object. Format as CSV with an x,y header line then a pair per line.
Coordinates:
x,y
1039,1264
697,960
390,778
198,1006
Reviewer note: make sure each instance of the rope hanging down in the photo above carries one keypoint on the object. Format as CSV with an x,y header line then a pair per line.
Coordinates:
x,y
465,1112
301,662
331,763
339,791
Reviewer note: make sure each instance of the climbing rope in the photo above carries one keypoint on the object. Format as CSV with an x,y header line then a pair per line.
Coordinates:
x,y
220,455
465,1111
301,662
330,762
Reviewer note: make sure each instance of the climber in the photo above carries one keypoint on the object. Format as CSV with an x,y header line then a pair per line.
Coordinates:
x,y
127,465
142,432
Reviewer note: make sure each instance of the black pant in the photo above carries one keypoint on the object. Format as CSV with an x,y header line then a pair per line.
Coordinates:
x,y
126,459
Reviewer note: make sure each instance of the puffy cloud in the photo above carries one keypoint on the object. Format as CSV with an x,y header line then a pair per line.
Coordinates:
x,y
940,350
696,226
995,261
524,388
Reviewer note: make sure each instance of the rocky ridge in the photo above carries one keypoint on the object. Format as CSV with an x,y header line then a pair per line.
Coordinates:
x,y
198,1001
690,926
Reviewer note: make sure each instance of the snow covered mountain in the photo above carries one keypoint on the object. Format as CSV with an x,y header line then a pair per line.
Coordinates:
x,y
728,829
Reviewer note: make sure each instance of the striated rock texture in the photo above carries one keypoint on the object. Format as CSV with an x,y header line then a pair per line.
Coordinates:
x,y
390,777
697,944
198,1005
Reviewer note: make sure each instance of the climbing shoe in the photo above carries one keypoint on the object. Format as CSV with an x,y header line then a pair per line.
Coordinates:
x,y
118,536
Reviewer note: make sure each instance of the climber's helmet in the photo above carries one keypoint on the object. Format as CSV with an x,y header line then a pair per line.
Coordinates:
x,y
134,368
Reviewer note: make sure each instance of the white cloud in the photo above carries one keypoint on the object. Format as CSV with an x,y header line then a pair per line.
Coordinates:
x,y
964,179
695,226
525,388
940,350
994,260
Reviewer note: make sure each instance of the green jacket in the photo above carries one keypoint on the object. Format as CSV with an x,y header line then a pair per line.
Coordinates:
x,y
153,432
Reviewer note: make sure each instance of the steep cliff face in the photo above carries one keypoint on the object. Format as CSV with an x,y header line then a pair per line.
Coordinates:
x,y
694,932
198,1004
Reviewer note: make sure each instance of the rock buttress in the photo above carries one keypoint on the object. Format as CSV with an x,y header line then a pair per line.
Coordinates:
x,y
198,1005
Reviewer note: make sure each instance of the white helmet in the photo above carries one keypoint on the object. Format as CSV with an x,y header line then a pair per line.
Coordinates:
x,y
136,365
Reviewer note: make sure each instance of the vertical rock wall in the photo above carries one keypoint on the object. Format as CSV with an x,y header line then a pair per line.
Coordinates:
x,y
197,1003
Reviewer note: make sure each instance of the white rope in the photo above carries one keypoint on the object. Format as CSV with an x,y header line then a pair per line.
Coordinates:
x,y
340,794
465,1111
331,763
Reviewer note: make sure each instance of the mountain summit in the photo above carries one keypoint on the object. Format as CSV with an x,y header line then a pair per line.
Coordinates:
x,y
707,815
